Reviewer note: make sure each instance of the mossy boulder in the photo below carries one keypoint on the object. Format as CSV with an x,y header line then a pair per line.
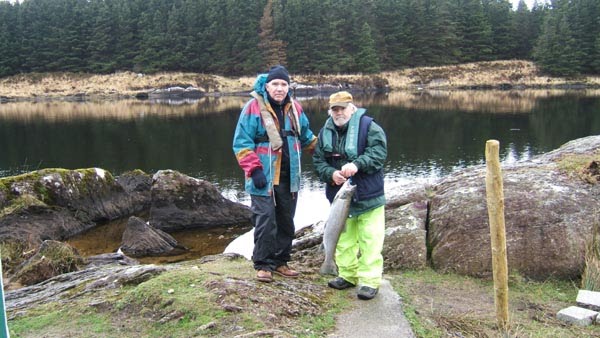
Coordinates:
x,y
58,203
550,210
181,202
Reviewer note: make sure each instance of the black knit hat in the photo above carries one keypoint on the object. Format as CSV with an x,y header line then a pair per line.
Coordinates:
x,y
278,72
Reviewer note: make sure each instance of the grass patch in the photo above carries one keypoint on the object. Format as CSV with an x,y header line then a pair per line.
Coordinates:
x,y
71,321
440,305
219,298
590,279
583,166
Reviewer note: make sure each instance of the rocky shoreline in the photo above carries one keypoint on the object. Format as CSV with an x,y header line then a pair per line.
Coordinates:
x,y
193,93
443,225
550,217
494,75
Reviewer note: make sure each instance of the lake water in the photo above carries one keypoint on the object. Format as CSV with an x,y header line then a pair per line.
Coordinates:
x,y
430,134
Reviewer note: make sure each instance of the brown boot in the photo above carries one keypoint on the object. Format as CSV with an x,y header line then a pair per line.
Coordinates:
x,y
285,271
264,276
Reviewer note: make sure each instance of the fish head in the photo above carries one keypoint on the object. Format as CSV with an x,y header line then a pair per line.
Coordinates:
x,y
347,190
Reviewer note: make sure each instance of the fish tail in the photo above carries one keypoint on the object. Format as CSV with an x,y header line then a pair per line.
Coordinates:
x,y
328,268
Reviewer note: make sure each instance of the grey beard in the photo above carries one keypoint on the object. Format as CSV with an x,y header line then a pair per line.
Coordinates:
x,y
340,122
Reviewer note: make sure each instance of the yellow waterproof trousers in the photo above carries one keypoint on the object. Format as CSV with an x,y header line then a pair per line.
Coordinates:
x,y
364,234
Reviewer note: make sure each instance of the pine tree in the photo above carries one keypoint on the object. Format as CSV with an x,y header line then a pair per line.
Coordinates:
x,y
9,33
393,32
366,58
440,43
523,32
498,15
103,37
127,17
175,32
473,30
584,21
556,50
273,49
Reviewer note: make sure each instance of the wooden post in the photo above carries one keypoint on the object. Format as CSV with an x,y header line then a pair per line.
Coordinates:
x,y
495,205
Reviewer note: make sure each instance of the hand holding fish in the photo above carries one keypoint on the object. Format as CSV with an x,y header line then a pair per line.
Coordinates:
x,y
338,177
349,169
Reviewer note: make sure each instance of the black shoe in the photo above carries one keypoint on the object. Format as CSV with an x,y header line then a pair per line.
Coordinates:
x,y
366,293
340,283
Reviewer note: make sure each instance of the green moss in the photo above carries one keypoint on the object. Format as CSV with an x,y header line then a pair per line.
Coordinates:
x,y
135,172
20,203
72,321
32,179
11,252
82,180
575,165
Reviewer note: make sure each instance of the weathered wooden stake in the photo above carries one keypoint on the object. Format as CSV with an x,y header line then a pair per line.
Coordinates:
x,y
495,205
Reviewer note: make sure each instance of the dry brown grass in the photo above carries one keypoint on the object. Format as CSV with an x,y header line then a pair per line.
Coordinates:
x,y
480,75
449,305
122,83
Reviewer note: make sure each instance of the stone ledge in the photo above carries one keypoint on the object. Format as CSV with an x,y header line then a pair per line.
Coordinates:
x,y
577,315
589,299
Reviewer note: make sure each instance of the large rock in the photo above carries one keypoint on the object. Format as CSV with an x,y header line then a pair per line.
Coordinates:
x,y
34,223
91,194
183,202
58,203
549,215
405,236
140,239
137,184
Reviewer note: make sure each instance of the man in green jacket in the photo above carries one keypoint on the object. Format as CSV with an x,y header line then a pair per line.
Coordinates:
x,y
352,146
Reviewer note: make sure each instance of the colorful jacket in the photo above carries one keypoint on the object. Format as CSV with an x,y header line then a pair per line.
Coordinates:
x,y
253,149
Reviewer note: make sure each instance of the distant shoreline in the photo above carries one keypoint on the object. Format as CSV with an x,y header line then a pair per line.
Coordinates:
x,y
496,75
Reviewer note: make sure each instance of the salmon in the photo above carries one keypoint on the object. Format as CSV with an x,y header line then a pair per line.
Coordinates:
x,y
335,224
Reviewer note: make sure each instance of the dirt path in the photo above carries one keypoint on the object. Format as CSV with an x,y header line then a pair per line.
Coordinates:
x,y
380,317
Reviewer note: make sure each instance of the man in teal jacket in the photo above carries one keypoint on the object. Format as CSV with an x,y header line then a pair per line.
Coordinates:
x,y
271,131
352,146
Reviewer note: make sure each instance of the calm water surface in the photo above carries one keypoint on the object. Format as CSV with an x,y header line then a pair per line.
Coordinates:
x,y
429,135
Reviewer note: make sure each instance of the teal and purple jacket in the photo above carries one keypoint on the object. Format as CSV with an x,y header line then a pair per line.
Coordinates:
x,y
253,150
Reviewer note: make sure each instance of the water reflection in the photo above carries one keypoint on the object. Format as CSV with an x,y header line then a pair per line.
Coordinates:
x,y
60,111
488,101
430,134
107,238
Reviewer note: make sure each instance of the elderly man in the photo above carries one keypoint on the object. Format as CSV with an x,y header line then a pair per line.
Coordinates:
x,y
352,146
271,131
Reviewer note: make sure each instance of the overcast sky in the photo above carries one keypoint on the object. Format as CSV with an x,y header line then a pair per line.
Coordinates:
x,y
514,2
528,2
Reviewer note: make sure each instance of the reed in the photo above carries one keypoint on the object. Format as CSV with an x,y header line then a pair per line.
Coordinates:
x,y
590,279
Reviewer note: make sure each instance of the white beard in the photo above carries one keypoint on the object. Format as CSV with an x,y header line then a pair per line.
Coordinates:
x,y
340,121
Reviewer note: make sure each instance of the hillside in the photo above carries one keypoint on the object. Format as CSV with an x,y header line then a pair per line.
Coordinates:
x,y
482,75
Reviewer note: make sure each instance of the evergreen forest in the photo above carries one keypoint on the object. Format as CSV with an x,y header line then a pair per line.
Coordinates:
x,y
241,37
